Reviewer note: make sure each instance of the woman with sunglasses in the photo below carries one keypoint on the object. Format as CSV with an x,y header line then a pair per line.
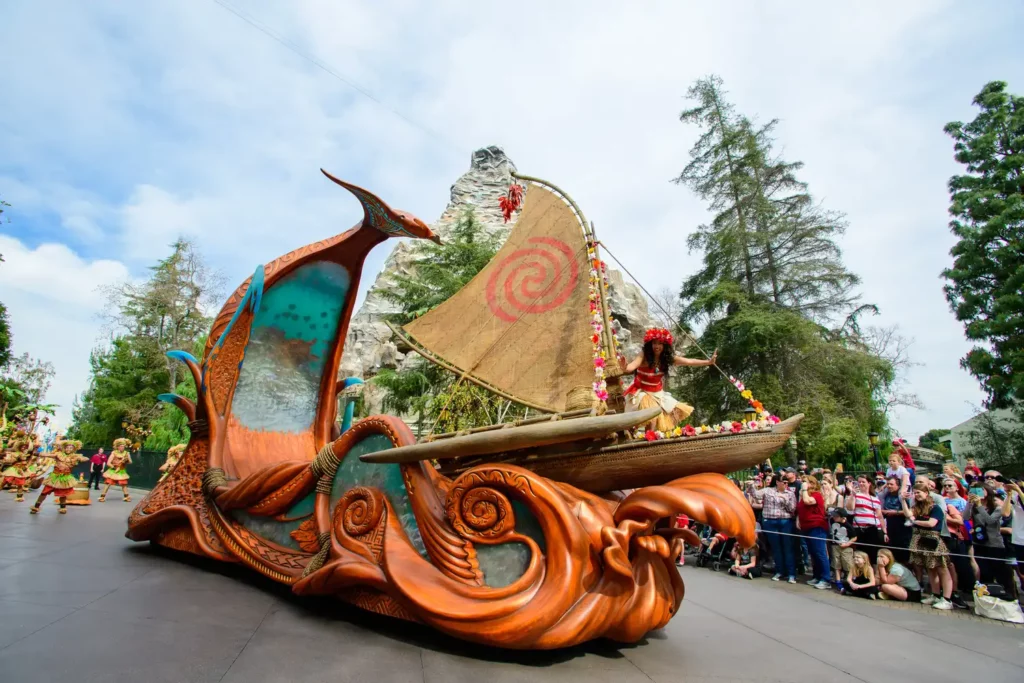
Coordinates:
x,y
961,569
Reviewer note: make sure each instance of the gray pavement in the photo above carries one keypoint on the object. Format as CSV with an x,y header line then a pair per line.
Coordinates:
x,y
80,602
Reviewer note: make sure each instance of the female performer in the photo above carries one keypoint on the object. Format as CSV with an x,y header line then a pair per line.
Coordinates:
x,y
61,482
18,461
115,472
173,454
648,388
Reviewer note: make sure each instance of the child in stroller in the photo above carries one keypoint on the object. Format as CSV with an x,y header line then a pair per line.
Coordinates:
x,y
715,552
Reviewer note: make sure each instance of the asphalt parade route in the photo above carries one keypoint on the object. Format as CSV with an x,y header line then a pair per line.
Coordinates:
x,y
80,602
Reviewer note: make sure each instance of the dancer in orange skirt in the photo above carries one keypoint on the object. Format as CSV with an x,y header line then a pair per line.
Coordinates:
x,y
115,474
648,388
61,482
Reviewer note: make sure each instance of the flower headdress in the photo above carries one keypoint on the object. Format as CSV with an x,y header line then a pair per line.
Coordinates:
x,y
125,443
73,442
176,450
659,334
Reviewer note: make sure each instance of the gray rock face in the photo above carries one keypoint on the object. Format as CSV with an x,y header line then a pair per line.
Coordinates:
x,y
370,345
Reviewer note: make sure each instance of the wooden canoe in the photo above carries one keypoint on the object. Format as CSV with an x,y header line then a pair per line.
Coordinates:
x,y
600,467
511,438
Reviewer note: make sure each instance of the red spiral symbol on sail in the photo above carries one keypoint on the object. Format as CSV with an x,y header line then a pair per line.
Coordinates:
x,y
533,280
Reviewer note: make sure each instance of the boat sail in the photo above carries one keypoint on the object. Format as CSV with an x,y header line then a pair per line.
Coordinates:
x,y
522,327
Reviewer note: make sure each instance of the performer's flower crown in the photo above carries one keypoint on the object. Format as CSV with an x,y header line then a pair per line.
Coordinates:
x,y
123,442
659,334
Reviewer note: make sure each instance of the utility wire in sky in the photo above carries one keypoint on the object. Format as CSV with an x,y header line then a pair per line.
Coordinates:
x,y
263,28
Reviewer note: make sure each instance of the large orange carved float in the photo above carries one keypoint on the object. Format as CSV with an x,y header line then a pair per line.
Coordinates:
x,y
504,536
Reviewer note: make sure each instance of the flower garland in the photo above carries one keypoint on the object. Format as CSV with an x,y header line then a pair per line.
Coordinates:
x,y
764,421
598,279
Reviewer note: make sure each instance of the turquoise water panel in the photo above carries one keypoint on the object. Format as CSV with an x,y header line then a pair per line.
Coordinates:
x,y
274,530
504,563
387,478
291,340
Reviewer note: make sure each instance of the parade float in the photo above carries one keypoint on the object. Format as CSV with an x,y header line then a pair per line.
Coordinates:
x,y
520,535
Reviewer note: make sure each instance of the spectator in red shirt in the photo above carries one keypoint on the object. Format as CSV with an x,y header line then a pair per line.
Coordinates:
x,y
96,464
810,511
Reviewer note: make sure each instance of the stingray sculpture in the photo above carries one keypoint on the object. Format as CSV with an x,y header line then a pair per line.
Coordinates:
x,y
497,555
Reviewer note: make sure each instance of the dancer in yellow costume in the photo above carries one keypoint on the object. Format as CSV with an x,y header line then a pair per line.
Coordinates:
x,y
115,474
173,454
61,482
17,463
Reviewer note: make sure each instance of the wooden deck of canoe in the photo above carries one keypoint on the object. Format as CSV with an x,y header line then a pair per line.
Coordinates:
x,y
593,452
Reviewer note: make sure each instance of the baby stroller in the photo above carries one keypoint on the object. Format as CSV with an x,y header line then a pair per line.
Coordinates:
x,y
715,552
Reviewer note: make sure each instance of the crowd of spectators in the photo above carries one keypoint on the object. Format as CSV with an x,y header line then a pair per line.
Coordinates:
x,y
894,535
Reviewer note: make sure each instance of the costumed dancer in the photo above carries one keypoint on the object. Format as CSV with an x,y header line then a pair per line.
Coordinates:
x,y
16,464
115,473
648,388
173,454
61,482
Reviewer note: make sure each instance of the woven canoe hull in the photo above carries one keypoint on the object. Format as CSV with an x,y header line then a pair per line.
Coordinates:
x,y
630,466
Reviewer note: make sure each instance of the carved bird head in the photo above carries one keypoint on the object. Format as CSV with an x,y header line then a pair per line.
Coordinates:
x,y
379,215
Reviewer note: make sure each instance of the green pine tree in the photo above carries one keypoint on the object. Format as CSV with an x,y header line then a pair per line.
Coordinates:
x,y
773,295
5,329
985,285
768,241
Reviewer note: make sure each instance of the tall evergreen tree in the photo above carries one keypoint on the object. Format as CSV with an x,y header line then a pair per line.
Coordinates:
x,y
5,330
773,293
717,173
985,286
5,333
768,241
166,312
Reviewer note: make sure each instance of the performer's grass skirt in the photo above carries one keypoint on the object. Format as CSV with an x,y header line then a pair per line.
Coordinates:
x,y
117,477
672,411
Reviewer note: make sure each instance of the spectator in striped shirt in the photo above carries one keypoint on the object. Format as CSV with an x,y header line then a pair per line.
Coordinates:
x,y
868,521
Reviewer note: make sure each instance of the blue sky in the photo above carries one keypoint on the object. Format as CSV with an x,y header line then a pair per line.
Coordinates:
x,y
127,124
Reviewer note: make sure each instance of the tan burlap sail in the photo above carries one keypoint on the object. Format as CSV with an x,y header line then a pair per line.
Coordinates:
x,y
522,324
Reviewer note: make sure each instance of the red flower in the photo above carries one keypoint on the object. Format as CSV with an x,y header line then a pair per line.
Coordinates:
x,y
650,435
756,405
737,427
511,201
506,207
515,195
595,339
688,430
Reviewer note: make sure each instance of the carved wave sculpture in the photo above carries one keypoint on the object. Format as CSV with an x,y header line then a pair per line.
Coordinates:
x,y
497,554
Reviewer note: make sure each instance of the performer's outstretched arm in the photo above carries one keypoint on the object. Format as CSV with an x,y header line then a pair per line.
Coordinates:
x,y
695,362
633,364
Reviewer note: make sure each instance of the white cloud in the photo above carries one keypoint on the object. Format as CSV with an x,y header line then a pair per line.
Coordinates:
x,y
133,124
53,300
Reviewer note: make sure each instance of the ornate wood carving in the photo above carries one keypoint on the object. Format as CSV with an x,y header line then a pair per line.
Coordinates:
x,y
605,571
